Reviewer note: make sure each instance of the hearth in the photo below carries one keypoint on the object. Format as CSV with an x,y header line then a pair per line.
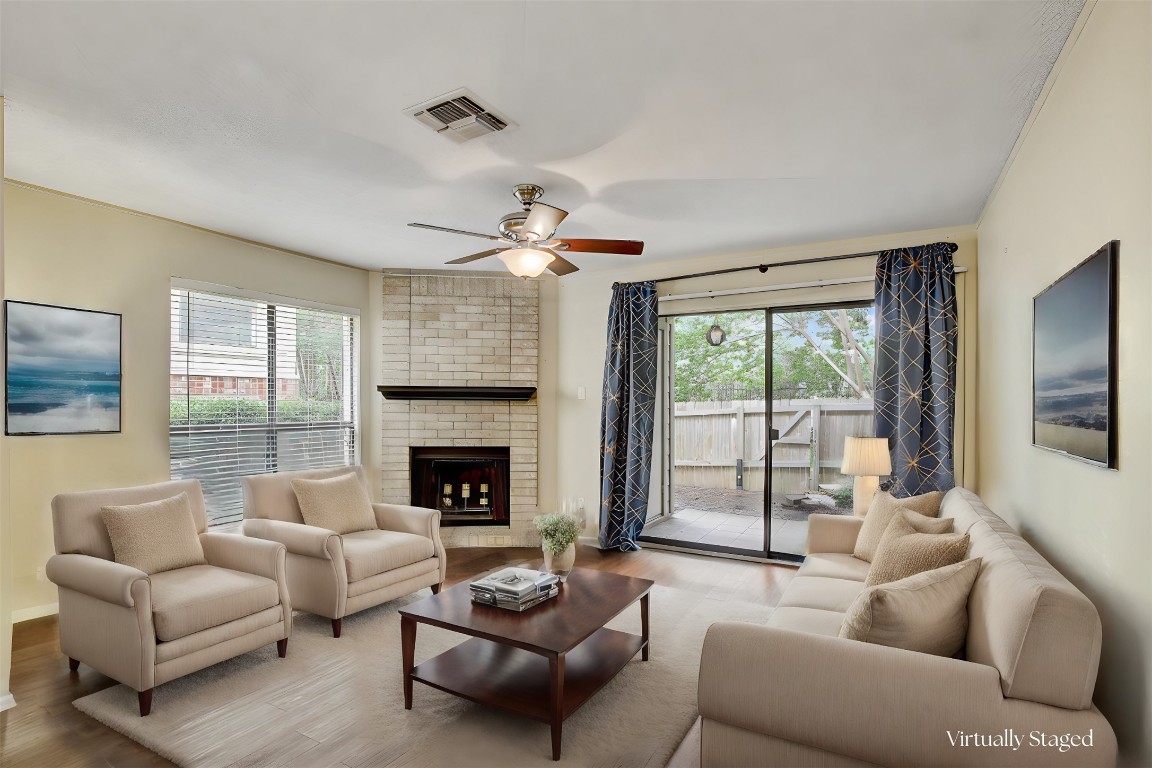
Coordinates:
x,y
468,484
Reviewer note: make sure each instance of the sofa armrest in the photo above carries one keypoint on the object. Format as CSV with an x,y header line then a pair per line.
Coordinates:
x,y
418,520
833,533
874,703
102,579
299,539
257,556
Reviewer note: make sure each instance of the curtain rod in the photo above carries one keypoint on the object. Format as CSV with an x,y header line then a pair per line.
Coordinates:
x,y
766,267
780,287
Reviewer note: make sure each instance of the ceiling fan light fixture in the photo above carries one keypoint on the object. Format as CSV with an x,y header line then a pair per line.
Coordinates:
x,y
526,262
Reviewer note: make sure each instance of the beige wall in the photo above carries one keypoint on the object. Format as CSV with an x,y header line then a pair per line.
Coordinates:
x,y
5,528
583,316
65,251
1082,177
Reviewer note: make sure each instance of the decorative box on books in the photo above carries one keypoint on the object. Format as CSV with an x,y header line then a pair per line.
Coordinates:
x,y
516,589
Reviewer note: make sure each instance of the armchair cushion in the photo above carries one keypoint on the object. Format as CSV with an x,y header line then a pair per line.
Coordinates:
x,y
367,553
154,536
340,504
199,597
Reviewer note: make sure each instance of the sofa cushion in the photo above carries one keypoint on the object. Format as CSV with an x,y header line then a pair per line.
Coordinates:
x,y
811,620
154,536
820,592
926,612
367,553
905,551
834,565
199,597
339,504
883,509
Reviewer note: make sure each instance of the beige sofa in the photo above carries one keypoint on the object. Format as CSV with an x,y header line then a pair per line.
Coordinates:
x,y
335,575
794,694
145,630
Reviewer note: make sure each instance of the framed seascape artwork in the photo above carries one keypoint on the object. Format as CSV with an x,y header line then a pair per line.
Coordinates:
x,y
63,370
1074,362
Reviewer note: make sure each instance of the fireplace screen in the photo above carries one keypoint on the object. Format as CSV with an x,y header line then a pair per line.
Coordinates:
x,y
469,485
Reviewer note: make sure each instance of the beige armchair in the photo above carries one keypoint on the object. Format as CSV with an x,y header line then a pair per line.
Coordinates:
x,y
144,630
334,575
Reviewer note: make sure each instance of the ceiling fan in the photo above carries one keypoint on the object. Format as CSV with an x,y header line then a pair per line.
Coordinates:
x,y
527,242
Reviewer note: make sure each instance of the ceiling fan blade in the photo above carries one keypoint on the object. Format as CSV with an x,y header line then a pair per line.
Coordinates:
x,y
475,256
542,221
624,247
560,266
455,231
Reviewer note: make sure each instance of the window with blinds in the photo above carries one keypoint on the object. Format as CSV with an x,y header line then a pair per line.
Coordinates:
x,y
257,386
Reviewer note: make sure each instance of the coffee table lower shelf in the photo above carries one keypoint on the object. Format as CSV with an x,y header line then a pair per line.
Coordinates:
x,y
519,681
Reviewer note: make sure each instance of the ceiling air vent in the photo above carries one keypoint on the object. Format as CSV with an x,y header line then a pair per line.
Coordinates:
x,y
459,115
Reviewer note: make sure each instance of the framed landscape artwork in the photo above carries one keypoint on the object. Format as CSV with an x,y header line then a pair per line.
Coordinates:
x,y
63,370
1074,362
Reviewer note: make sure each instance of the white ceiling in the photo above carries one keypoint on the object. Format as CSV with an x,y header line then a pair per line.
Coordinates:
x,y
698,127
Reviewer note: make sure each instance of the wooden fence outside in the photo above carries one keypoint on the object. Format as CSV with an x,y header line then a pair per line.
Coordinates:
x,y
721,444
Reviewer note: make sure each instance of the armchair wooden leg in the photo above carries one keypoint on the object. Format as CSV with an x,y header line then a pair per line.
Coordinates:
x,y
336,627
282,647
145,702
73,664
436,588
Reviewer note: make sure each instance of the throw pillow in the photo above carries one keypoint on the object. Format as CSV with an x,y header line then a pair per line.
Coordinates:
x,y
884,507
926,612
154,536
904,551
339,504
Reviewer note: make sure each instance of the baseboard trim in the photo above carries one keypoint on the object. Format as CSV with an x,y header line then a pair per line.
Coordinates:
x,y
7,702
35,612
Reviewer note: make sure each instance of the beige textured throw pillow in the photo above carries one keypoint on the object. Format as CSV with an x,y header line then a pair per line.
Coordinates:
x,y
154,536
884,507
926,612
904,551
339,504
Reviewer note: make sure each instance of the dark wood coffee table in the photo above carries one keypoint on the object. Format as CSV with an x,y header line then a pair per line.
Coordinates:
x,y
543,663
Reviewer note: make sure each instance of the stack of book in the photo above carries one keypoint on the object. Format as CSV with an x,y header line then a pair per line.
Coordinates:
x,y
516,589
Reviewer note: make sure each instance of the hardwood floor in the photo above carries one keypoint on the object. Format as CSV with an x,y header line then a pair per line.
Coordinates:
x,y
44,729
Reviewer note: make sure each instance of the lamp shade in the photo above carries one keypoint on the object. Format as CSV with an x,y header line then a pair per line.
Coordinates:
x,y
866,456
526,262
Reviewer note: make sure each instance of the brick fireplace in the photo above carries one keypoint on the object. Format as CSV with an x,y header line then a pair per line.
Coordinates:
x,y
462,331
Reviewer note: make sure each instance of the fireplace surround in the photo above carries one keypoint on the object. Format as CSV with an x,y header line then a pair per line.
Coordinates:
x,y
468,484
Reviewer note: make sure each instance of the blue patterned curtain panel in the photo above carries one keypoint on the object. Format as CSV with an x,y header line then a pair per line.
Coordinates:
x,y
916,364
627,418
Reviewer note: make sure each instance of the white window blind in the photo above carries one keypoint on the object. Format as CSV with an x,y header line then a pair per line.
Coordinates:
x,y
257,386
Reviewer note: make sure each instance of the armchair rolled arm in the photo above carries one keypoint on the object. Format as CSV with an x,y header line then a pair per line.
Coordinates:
x,y
833,533
102,579
833,688
399,517
259,557
299,539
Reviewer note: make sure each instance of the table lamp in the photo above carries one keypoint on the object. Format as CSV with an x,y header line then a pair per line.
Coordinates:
x,y
867,458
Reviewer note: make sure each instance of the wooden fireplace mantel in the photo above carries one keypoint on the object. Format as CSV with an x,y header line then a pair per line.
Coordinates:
x,y
430,392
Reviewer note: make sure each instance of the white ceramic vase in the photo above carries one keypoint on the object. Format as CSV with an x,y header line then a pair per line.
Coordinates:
x,y
560,564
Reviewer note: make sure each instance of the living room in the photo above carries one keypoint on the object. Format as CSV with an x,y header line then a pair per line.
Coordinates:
x,y
158,154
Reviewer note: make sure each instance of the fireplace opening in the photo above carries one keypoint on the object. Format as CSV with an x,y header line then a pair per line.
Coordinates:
x,y
468,484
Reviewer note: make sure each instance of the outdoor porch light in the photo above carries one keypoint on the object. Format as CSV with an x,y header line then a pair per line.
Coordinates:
x,y
866,458
526,262
716,335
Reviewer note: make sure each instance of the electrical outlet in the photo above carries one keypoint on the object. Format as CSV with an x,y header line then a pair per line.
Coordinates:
x,y
40,575
580,503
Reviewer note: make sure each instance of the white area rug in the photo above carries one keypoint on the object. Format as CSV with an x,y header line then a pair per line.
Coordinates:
x,y
340,702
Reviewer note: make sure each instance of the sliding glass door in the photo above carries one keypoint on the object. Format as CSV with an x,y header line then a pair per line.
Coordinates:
x,y
743,471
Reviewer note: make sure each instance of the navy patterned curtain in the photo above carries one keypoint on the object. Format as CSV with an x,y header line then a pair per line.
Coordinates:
x,y
627,418
916,364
